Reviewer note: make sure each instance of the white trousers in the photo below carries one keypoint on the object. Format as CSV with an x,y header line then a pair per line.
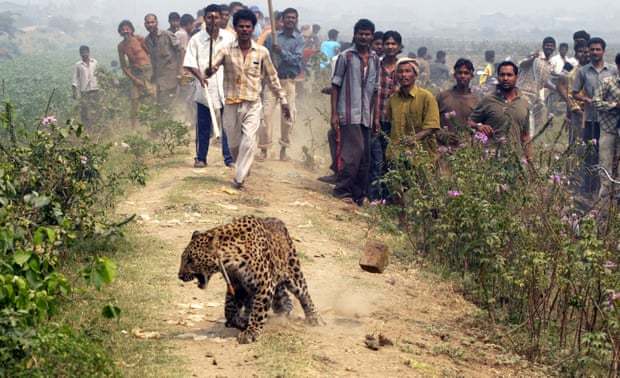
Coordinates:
x,y
241,122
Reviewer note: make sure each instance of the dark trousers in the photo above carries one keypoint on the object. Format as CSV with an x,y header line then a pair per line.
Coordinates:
x,y
378,147
332,139
355,155
204,127
590,176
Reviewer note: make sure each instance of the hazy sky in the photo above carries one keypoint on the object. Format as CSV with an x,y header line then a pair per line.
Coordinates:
x,y
598,16
356,7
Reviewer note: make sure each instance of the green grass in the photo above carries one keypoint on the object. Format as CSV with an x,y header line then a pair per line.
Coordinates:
x,y
285,355
139,294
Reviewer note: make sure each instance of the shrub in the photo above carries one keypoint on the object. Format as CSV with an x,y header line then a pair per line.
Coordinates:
x,y
525,248
53,192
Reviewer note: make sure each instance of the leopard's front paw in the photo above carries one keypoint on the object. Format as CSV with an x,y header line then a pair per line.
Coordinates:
x,y
314,320
247,337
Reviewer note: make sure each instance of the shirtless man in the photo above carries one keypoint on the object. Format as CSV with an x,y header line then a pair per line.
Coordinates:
x,y
136,64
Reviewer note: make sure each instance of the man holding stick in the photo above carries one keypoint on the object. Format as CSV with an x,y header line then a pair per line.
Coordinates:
x,y
287,53
246,65
209,92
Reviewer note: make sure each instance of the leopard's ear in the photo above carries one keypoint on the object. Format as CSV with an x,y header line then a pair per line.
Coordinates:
x,y
196,233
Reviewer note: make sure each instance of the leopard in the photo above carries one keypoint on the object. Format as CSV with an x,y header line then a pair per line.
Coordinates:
x,y
260,259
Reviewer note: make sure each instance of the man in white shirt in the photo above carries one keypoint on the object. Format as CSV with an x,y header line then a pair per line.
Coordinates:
x,y
197,59
85,87
560,60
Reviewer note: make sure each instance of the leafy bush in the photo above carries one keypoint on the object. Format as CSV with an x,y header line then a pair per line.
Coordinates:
x,y
168,133
52,350
53,193
524,247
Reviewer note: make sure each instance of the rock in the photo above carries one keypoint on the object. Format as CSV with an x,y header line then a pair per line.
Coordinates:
x,y
372,343
376,257
186,336
140,334
384,341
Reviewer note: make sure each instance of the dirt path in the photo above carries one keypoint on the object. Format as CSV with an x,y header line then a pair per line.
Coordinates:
x,y
425,319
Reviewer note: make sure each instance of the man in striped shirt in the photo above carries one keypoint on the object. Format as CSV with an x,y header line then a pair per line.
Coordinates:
x,y
353,96
246,65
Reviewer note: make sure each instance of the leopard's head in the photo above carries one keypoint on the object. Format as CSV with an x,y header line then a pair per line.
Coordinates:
x,y
199,259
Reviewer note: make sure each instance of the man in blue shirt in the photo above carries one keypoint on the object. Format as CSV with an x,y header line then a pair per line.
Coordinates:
x,y
287,55
330,48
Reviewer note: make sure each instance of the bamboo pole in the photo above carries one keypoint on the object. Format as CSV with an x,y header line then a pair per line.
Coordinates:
x,y
272,18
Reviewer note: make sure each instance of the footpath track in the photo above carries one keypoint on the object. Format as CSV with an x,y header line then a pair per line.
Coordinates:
x,y
431,327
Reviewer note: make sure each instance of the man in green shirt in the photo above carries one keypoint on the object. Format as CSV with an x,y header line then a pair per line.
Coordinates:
x,y
504,115
412,111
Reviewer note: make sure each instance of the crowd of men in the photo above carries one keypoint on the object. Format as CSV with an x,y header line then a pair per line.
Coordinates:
x,y
229,71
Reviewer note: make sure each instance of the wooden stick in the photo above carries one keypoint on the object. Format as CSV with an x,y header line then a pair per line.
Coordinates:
x,y
215,127
274,38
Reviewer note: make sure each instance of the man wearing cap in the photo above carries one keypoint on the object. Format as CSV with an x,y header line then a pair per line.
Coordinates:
x,y
413,111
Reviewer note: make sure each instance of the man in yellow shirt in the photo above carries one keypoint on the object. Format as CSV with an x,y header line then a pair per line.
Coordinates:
x,y
412,111
489,57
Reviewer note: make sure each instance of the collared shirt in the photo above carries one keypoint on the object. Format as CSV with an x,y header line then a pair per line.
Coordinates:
x,y
243,75
531,81
411,113
387,87
290,60
509,120
558,63
357,85
197,56
606,100
329,49
463,104
84,78
182,37
164,50
487,73
425,71
574,105
588,79
439,72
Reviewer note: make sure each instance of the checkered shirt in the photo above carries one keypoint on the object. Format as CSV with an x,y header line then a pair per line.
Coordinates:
x,y
606,100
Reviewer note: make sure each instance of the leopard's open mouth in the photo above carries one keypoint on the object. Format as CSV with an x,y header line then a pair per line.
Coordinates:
x,y
202,281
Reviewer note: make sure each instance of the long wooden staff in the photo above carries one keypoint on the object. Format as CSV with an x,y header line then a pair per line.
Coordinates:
x,y
272,18
214,124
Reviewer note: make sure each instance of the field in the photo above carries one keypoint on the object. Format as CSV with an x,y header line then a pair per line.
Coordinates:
x,y
496,270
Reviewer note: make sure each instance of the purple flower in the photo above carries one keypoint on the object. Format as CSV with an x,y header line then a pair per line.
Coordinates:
x,y
453,193
49,120
83,160
481,137
450,115
443,149
610,265
556,179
